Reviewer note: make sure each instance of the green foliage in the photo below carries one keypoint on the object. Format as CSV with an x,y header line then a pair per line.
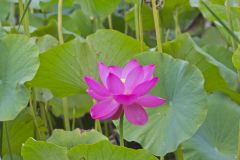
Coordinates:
x,y
182,85
18,64
218,136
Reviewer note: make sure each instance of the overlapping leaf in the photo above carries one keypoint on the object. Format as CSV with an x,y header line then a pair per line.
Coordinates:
x,y
18,63
63,67
178,120
218,136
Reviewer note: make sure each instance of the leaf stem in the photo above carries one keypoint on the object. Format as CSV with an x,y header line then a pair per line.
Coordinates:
x,y
221,22
121,130
48,118
1,139
8,141
157,26
74,119
33,115
136,21
140,26
60,33
238,153
65,114
24,16
179,153
229,15
177,27
110,21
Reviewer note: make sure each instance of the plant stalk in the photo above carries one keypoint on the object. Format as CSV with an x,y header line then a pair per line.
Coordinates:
x,y
157,26
1,139
136,21
60,32
238,153
65,114
177,27
34,116
179,153
110,22
98,126
121,130
24,16
140,27
8,140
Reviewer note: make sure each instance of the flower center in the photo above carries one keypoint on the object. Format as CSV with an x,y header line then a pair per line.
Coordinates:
x,y
123,80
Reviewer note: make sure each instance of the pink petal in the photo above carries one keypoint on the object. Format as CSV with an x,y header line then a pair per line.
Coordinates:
x,y
118,113
95,95
136,114
103,72
104,109
148,71
114,84
150,101
125,99
145,87
116,70
96,87
129,67
134,78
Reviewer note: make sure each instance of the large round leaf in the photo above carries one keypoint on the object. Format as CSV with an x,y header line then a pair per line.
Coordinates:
x,y
18,64
217,139
98,8
169,125
19,131
218,77
106,151
62,68
40,150
73,138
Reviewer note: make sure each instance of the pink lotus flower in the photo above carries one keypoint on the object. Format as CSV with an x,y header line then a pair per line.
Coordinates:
x,y
123,90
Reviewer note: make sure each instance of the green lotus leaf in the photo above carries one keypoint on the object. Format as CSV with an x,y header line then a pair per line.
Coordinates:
x,y
179,119
67,64
218,77
70,139
104,150
217,138
18,63
40,150
98,8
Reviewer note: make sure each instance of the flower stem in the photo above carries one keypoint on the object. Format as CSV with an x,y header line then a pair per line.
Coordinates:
x,y
110,21
1,138
65,114
98,126
162,158
136,21
121,130
106,128
60,33
8,141
179,153
157,26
